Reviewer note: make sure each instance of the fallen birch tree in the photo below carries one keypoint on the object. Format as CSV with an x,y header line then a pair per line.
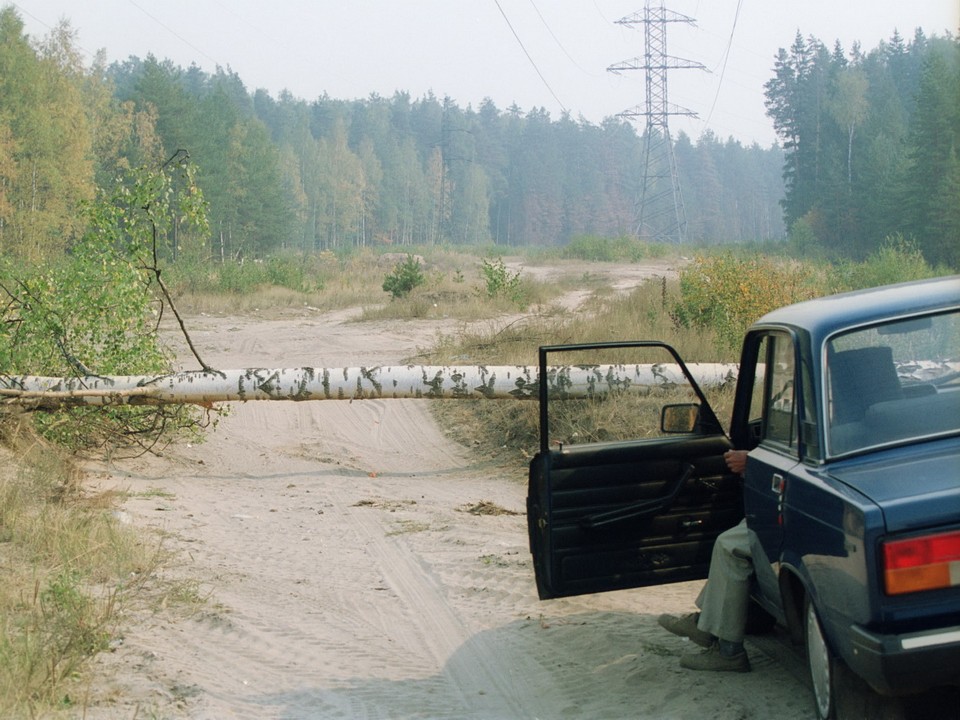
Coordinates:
x,y
207,387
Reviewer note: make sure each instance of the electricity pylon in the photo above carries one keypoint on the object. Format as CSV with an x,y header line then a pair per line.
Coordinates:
x,y
660,214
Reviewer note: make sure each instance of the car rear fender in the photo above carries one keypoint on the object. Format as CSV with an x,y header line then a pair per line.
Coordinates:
x,y
793,594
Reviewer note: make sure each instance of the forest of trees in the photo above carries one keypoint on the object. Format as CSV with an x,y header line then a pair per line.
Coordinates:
x,y
871,142
869,149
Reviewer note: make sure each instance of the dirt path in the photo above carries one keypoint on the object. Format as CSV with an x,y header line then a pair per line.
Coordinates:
x,y
350,573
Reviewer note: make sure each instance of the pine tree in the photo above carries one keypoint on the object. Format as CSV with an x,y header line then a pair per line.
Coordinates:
x,y
932,173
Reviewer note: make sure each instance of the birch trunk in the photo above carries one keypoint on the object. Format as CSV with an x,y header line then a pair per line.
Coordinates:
x,y
307,383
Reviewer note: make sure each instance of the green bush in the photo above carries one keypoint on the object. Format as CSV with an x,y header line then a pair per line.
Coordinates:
x,y
90,310
897,260
95,311
727,294
500,282
240,278
293,272
600,249
299,273
590,247
405,277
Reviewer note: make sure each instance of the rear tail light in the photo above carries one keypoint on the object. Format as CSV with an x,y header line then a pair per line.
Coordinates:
x,y
922,563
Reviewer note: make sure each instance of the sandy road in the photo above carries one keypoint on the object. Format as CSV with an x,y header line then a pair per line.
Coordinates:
x,y
346,575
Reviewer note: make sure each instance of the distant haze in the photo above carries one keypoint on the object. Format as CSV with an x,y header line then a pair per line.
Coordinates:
x,y
535,53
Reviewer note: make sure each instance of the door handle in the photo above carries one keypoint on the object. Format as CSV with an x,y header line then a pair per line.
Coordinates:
x,y
778,484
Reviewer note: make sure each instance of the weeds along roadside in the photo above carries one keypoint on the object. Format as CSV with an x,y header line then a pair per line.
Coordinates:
x,y
72,576
452,283
70,573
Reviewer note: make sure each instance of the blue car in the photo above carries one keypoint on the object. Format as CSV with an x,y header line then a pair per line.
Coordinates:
x,y
849,406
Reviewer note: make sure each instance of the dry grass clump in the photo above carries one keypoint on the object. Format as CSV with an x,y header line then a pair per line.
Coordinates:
x,y
642,314
270,296
454,285
321,281
69,569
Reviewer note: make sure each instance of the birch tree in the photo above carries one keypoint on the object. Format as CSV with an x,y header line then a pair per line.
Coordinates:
x,y
849,107
96,313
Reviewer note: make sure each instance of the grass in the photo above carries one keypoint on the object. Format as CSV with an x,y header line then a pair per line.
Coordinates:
x,y
70,571
455,285
407,527
508,432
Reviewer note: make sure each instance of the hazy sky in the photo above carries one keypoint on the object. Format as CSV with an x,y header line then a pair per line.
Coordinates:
x,y
472,49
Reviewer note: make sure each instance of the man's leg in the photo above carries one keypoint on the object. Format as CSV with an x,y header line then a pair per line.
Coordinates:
x,y
720,624
723,604
724,599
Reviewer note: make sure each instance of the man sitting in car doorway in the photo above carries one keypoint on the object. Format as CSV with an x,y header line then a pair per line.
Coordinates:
x,y
720,624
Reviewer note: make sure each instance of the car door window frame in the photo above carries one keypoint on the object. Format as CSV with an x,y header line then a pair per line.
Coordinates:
x,y
803,419
707,422
779,398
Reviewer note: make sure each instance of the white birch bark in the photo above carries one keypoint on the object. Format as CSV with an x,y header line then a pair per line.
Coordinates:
x,y
300,384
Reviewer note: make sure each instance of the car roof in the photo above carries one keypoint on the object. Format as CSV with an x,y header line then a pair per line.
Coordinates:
x,y
826,315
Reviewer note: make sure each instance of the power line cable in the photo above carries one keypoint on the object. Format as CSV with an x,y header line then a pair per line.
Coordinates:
x,y
599,11
257,31
522,47
175,33
723,69
49,27
557,40
24,11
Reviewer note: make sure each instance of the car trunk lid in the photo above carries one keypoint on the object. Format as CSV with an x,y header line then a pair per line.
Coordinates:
x,y
915,487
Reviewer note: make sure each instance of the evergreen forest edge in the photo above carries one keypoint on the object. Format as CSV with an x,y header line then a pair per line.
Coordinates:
x,y
869,151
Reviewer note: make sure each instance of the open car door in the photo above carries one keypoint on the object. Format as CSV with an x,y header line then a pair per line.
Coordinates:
x,y
629,487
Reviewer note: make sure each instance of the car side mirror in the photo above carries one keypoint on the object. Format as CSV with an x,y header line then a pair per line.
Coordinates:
x,y
679,418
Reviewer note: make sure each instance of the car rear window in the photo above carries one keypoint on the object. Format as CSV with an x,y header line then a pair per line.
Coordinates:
x,y
893,383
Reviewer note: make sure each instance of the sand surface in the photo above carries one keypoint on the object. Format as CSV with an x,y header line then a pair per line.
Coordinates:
x,y
349,573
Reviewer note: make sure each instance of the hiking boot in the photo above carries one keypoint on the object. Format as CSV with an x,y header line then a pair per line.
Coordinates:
x,y
712,659
686,626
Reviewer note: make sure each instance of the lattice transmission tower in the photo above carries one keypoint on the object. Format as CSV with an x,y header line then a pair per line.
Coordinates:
x,y
660,214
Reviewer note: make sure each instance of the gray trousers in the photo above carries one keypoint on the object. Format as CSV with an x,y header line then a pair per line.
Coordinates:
x,y
724,599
